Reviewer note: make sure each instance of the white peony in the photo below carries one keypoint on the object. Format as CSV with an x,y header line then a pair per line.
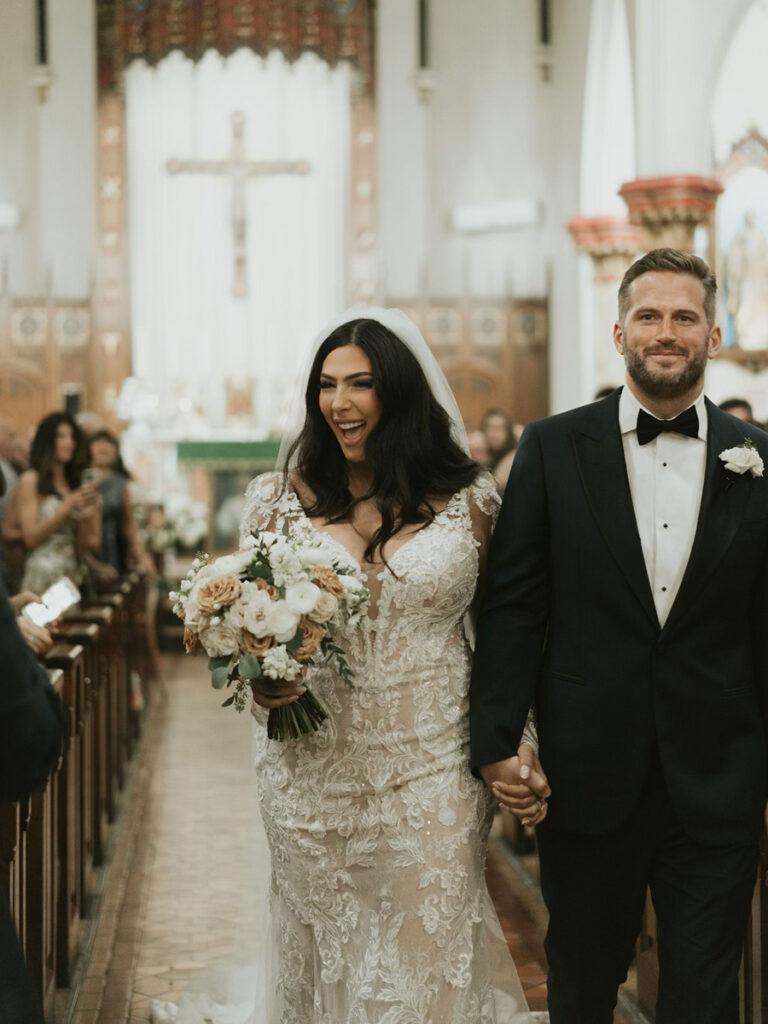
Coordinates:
x,y
743,459
278,664
302,597
256,608
282,622
326,607
220,639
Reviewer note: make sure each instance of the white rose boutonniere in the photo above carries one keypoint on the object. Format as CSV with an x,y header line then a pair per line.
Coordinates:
x,y
743,459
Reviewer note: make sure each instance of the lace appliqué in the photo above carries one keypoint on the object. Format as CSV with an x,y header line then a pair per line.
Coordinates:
x,y
377,829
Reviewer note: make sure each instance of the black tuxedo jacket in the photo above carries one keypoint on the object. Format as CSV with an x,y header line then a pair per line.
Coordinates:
x,y
31,725
568,624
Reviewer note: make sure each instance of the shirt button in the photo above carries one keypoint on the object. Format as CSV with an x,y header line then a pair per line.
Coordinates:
x,y
663,590
666,525
664,465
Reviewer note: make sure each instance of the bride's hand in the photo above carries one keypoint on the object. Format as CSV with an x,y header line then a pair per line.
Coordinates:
x,y
268,693
520,786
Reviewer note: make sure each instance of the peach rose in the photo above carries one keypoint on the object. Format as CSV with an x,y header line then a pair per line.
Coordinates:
x,y
258,645
271,591
217,592
327,580
192,643
313,633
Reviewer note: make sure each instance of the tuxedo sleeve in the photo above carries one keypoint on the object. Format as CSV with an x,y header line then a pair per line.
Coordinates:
x,y
31,716
513,618
759,626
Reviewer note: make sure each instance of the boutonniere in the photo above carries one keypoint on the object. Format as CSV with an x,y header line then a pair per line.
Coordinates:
x,y
745,458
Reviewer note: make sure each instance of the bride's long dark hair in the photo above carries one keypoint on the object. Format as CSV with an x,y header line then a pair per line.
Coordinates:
x,y
411,450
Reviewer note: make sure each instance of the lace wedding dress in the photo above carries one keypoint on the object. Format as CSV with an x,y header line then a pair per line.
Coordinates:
x,y
376,827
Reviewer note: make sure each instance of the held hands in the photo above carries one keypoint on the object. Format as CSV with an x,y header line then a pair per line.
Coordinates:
x,y
520,785
275,693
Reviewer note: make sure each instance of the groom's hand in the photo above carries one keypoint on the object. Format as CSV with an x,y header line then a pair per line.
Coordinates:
x,y
520,785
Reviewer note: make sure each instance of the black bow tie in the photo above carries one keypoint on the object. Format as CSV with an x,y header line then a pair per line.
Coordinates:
x,y
648,426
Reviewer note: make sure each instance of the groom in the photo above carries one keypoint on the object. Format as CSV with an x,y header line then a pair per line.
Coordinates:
x,y
627,599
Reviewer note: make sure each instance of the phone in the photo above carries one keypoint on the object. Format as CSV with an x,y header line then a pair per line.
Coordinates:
x,y
58,597
92,475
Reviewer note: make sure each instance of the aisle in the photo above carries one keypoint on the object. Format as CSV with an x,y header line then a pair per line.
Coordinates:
x,y
180,895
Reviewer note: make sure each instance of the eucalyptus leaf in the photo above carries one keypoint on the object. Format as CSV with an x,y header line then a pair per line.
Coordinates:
x,y
293,645
214,663
250,667
220,677
228,701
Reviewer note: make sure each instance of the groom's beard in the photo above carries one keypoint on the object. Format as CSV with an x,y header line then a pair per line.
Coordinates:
x,y
659,385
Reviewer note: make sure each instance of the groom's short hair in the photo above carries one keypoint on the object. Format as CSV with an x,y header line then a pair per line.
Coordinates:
x,y
677,262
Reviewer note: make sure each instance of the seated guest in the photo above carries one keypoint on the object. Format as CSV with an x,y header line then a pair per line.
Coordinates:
x,y
31,729
59,515
740,408
121,545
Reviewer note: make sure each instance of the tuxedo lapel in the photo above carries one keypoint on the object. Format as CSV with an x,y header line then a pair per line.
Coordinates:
x,y
603,471
723,501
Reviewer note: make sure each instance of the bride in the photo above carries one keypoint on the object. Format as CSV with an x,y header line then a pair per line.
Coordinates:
x,y
377,829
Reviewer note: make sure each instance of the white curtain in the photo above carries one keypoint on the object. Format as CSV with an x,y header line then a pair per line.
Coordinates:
x,y
189,333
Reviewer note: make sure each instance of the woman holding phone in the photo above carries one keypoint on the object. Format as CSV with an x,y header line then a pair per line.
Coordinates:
x,y
59,514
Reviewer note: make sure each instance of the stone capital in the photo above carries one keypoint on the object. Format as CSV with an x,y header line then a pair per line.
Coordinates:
x,y
612,242
670,208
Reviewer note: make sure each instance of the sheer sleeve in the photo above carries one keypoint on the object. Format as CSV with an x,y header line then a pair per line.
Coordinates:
x,y
261,509
484,506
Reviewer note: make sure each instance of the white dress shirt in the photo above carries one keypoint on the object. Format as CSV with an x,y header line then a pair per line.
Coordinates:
x,y
666,480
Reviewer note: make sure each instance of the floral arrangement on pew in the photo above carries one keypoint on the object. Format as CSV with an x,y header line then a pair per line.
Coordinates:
x,y
271,610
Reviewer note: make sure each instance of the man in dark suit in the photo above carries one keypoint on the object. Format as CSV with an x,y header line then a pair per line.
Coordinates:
x,y
627,600
31,728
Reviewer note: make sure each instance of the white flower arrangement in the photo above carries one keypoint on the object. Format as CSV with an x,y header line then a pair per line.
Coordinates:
x,y
745,458
271,609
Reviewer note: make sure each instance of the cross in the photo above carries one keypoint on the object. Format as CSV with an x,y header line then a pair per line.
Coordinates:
x,y
238,168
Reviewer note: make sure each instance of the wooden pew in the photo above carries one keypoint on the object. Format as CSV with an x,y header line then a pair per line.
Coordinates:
x,y
92,751
104,712
117,641
70,804
40,876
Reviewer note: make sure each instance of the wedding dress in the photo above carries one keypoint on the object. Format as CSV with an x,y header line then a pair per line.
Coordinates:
x,y
376,827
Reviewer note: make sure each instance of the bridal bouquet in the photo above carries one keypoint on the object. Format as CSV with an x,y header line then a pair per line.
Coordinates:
x,y
270,610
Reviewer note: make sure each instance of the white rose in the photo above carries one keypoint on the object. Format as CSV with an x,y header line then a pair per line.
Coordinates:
x,y
302,597
282,622
743,459
325,609
219,640
315,555
231,565
257,609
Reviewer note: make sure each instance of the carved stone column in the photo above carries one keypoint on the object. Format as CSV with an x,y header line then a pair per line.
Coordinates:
x,y
671,208
612,243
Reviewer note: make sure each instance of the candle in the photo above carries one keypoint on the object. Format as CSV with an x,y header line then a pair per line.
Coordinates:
x,y
423,33
42,33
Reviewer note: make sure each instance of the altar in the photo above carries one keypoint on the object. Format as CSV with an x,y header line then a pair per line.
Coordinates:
x,y
219,472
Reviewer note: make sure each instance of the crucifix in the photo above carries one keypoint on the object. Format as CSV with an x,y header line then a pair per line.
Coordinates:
x,y
238,168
